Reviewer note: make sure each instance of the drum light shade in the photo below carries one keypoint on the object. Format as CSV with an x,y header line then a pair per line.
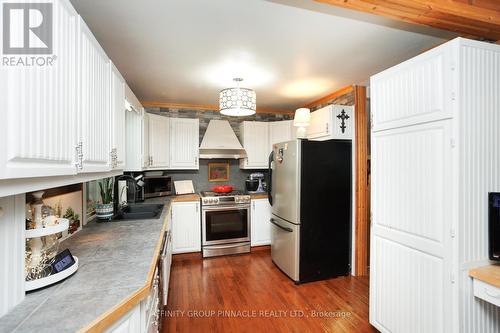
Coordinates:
x,y
237,101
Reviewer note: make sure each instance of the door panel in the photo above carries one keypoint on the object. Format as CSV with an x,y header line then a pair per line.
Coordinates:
x,y
184,143
286,181
94,102
285,246
118,117
159,145
410,273
261,227
39,108
186,227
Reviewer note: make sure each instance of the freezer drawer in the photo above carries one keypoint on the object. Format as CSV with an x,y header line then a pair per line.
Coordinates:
x,y
285,246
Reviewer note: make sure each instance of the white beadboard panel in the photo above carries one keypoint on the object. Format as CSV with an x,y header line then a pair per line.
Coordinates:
x,y
412,92
479,146
94,102
412,174
184,143
478,316
407,290
12,247
39,111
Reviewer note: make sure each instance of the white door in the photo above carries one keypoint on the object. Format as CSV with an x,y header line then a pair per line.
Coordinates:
x,y
94,103
184,143
279,131
261,225
118,118
410,265
320,124
145,140
39,109
256,144
159,147
186,227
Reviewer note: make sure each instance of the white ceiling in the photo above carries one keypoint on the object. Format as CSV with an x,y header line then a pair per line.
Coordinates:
x,y
290,52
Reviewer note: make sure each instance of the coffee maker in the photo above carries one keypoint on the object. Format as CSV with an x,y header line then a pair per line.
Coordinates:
x,y
255,183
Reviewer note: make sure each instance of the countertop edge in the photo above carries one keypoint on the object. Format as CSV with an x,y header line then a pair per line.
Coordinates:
x,y
489,274
112,315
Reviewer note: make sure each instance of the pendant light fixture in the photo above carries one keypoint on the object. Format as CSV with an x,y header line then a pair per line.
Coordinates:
x,y
237,101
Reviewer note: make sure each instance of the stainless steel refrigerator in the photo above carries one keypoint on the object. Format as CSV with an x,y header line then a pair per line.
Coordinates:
x,y
310,193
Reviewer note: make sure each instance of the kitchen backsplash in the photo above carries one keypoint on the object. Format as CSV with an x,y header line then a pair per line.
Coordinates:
x,y
206,115
200,177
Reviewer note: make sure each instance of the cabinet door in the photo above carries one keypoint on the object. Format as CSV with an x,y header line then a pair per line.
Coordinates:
x,y
118,116
343,122
256,144
261,227
320,125
39,109
145,140
158,141
184,143
94,103
186,227
279,131
128,323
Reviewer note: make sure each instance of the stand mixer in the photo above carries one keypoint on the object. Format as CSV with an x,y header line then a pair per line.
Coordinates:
x,y
255,183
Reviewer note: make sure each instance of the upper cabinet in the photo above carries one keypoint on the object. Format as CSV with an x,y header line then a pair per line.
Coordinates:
x,y
280,131
94,103
39,108
184,143
331,122
118,119
255,140
159,141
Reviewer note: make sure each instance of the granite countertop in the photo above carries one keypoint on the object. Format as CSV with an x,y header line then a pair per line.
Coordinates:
x,y
114,261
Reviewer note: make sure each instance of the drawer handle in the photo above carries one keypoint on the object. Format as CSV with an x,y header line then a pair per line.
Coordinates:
x,y
489,293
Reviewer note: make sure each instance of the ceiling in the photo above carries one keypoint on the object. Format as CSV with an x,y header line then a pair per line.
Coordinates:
x,y
290,52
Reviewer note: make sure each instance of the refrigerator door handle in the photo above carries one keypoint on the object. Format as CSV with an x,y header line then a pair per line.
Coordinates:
x,y
270,185
280,226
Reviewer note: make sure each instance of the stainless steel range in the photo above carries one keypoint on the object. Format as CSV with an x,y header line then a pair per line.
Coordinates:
x,y
225,223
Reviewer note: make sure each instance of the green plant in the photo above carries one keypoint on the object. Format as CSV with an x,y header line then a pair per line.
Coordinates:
x,y
106,189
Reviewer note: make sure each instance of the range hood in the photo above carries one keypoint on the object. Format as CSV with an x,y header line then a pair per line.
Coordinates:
x,y
220,141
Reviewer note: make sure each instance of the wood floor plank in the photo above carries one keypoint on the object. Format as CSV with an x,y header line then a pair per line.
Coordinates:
x,y
248,293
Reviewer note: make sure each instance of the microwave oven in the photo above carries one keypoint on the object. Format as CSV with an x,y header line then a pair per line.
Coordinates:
x,y
494,225
157,186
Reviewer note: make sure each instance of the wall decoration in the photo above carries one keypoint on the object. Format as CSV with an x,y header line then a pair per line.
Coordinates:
x,y
218,172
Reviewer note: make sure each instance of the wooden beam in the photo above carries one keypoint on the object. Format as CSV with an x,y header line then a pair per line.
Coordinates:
x,y
362,207
205,107
329,97
466,19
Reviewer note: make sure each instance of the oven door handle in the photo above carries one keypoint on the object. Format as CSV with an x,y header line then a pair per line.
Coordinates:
x,y
273,221
238,207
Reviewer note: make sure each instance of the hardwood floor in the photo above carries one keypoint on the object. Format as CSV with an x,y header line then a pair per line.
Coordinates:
x,y
247,293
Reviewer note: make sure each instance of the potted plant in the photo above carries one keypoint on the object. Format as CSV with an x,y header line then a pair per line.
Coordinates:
x,y
104,210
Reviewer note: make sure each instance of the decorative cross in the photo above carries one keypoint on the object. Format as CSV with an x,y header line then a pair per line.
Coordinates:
x,y
343,116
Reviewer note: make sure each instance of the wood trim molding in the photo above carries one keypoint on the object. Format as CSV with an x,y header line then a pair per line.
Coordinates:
x,y
206,107
362,208
467,19
340,92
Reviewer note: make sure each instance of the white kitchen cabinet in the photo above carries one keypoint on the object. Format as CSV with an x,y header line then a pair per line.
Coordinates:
x,y
134,140
118,118
434,157
159,141
94,104
39,108
145,140
260,225
128,323
280,131
186,227
184,143
331,122
255,140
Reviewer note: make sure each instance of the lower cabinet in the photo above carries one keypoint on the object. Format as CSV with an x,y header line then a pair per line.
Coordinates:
x,y
186,227
260,225
129,323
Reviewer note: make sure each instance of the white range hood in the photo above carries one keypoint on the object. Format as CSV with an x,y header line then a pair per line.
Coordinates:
x,y
220,141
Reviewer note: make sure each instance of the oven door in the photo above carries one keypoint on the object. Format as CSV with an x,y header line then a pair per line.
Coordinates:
x,y
226,224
